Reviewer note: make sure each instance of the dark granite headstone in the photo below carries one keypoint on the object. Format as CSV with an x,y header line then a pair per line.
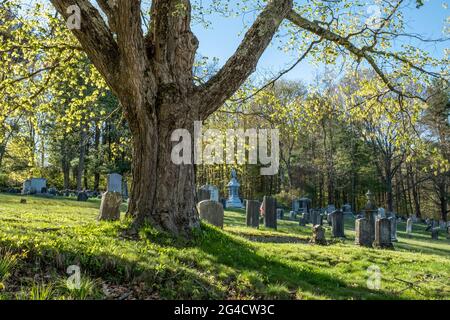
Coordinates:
x,y
270,213
337,224
252,211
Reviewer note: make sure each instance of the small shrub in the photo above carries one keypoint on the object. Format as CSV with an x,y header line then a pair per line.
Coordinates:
x,y
87,289
7,262
41,291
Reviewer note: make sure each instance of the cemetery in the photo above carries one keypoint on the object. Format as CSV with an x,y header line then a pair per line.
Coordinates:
x,y
301,153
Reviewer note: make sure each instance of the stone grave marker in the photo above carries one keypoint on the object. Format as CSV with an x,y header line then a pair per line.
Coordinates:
x,y
435,233
337,224
280,214
270,214
318,235
383,233
114,183
110,206
409,226
393,220
211,212
203,195
82,196
252,213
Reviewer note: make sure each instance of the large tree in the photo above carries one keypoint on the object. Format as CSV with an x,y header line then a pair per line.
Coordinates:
x,y
151,73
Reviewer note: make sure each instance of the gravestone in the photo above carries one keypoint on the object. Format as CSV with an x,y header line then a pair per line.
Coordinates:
x,y
347,208
292,215
252,212
393,220
52,191
212,212
337,224
383,233
280,214
213,192
203,195
110,206
330,208
318,235
82,197
302,221
223,201
363,233
114,183
443,225
330,223
125,189
435,233
305,204
307,216
34,186
365,226
316,217
409,226
233,186
270,214
381,213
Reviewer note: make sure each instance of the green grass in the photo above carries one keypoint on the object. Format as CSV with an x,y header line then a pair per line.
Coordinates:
x,y
49,235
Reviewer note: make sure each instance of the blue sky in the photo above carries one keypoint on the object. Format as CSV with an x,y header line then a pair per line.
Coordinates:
x,y
222,38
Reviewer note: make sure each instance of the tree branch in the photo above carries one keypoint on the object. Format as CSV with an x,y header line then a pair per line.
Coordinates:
x,y
244,61
363,53
95,37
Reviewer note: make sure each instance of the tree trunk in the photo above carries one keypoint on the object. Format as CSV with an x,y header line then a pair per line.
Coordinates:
x,y
81,158
98,156
162,192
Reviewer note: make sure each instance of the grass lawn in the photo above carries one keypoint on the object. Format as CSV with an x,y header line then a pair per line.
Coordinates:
x,y
39,240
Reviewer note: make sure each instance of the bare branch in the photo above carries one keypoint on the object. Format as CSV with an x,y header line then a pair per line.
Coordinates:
x,y
243,62
95,37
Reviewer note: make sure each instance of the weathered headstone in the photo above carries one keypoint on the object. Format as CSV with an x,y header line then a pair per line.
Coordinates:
x,y
270,214
302,221
435,233
365,226
330,208
280,214
110,206
292,215
337,223
203,195
252,212
316,217
393,220
114,183
381,213
318,236
82,197
34,186
212,212
347,208
383,233
409,226
125,189
363,233
307,216
213,192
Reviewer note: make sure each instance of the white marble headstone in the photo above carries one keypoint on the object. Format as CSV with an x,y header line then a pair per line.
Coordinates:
x,y
114,183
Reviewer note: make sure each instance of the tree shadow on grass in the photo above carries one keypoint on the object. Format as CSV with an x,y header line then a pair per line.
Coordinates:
x,y
242,257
